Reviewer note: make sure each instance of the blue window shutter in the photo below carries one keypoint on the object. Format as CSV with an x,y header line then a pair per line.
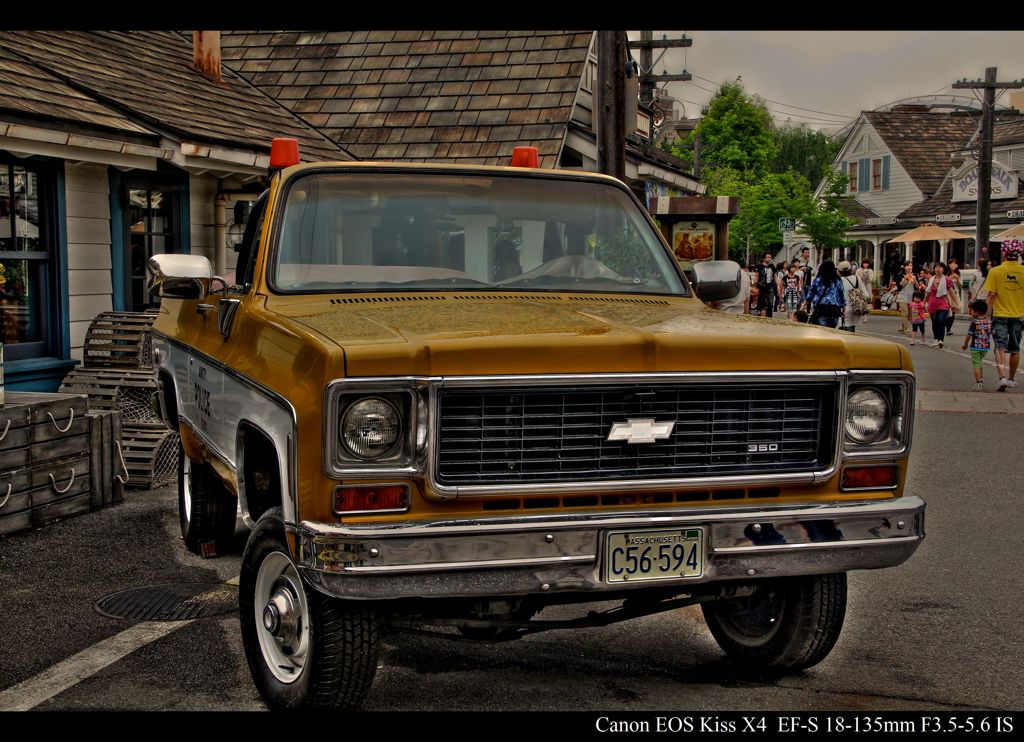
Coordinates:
x,y
845,170
864,175
885,172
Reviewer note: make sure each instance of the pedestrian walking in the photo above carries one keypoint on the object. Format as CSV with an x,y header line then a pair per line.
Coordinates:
x,y
1005,286
826,297
915,311
792,290
866,275
954,298
780,271
766,279
755,291
856,300
937,293
908,285
979,338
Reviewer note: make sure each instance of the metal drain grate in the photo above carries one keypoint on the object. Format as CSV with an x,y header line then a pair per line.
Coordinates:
x,y
173,602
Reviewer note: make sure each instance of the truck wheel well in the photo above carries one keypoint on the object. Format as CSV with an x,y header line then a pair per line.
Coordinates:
x,y
168,399
261,475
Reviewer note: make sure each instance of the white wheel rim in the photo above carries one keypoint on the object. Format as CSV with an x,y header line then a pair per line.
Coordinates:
x,y
284,648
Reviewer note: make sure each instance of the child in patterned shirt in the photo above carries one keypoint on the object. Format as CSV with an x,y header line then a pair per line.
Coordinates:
x,y
979,335
917,316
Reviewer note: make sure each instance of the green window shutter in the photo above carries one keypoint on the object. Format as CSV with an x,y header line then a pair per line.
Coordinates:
x,y
864,175
885,172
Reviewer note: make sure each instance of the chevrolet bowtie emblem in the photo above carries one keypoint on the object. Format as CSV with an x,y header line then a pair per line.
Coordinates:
x,y
646,430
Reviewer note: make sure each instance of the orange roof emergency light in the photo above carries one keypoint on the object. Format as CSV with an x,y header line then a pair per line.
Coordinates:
x,y
525,157
284,152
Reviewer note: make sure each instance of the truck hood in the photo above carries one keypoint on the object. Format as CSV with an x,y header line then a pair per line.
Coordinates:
x,y
474,334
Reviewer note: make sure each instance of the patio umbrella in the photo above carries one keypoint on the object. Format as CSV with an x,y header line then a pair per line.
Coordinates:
x,y
1015,231
928,232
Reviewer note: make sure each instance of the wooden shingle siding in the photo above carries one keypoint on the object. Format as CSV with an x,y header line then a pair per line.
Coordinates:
x,y
201,193
89,262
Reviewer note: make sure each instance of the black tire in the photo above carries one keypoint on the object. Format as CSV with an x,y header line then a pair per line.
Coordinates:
x,y
206,509
329,660
787,624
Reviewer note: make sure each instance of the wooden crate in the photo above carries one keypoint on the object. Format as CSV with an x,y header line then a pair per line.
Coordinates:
x,y
49,452
119,340
151,455
109,473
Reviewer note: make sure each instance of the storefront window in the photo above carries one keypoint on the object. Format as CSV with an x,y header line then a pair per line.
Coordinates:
x,y
25,257
150,232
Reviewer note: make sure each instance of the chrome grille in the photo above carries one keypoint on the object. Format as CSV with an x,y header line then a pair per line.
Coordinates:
x,y
558,434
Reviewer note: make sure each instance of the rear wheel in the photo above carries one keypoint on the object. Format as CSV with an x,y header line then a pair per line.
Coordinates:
x,y
786,624
206,510
304,650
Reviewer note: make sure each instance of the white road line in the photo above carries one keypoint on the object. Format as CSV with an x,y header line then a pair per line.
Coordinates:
x,y
44,686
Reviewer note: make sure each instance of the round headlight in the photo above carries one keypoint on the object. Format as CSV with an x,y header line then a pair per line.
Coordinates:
x,y
370,428
867,415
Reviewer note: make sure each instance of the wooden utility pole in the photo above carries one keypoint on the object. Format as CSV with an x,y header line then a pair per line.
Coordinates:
x,y
985,156
610,104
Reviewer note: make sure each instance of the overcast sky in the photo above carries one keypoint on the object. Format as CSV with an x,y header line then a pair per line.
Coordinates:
x,y
836,74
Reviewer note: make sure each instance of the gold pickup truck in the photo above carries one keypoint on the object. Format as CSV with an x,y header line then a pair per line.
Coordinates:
x,y
448,397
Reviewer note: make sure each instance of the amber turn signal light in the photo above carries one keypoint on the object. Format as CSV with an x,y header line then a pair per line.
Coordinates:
x,y
349,499
870,477
525,157
284,152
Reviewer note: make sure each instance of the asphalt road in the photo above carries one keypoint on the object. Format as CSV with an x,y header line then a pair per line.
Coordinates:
x,y
941,632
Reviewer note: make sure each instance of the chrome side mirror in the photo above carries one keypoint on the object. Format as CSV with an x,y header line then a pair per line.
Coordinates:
x,y
179,276
715,280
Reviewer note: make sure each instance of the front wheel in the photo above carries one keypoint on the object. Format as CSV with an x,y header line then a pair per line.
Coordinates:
x,y
786,624
304,650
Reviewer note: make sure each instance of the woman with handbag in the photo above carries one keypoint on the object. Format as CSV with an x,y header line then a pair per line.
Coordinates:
x,y
937,294
826,296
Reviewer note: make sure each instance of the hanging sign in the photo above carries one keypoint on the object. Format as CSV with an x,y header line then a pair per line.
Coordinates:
x,y
1004,183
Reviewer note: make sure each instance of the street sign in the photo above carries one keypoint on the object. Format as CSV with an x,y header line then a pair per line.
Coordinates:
x,y
787,225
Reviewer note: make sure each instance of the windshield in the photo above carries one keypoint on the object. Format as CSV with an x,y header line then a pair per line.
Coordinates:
x,y
360,231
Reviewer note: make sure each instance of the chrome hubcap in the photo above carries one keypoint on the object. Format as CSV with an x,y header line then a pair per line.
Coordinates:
x,y
282,617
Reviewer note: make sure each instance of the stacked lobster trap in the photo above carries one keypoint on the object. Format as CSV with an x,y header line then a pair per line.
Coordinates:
x,y
117,374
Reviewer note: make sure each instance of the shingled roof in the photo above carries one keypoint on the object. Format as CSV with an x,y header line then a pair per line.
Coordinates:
x,y
27,91
942,203
856,210
148,77
422,96
923,142
1008,131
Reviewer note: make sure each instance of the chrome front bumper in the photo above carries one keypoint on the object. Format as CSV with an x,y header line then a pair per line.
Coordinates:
x,y
546,554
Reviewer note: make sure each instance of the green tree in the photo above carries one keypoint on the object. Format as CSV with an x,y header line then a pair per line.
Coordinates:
x,y
826,223
761,204
805,151
735,132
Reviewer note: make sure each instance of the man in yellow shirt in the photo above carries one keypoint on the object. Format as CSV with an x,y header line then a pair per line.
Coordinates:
x,y
1005,286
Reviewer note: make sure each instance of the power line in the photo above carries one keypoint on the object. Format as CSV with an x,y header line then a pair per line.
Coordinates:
x,y
810,119
787,105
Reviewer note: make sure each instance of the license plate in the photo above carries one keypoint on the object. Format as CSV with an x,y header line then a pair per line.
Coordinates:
x,y
632,556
